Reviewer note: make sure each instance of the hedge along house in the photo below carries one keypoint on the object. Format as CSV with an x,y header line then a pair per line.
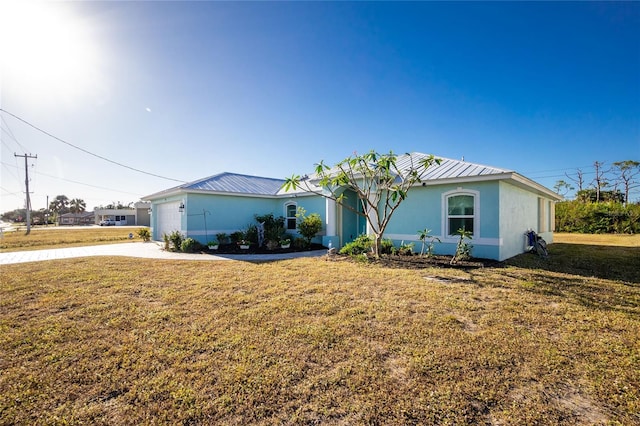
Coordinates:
x,y
498,206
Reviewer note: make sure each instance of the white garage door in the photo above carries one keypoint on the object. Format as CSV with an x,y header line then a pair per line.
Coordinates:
x,y
169,219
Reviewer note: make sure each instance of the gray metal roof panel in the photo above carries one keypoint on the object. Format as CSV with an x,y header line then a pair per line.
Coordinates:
x,y
236,183
449,168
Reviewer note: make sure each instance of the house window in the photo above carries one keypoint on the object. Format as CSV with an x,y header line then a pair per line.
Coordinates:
x,y
292,221
460,213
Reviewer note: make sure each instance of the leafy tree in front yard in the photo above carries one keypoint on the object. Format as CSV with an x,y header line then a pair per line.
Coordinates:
x,y
308,226
380,182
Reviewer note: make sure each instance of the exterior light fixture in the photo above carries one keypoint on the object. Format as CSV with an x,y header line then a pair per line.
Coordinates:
x,y
149,211
181,207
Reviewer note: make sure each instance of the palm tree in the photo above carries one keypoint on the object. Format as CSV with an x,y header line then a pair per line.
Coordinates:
x,y
58,205
78,205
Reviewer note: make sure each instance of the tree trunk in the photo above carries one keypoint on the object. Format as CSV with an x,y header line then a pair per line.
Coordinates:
x,y
376,245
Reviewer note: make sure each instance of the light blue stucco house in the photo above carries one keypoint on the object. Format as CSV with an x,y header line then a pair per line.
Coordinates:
x,y
497,205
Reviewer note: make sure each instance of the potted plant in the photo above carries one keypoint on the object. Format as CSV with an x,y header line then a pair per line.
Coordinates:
x,y
285,243
213,245
244,244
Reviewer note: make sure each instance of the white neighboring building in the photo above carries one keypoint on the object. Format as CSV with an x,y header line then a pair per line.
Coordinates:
x,y
137,216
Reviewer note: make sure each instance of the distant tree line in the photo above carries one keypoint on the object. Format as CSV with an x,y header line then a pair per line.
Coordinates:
x,y
615,181
60,205
602,205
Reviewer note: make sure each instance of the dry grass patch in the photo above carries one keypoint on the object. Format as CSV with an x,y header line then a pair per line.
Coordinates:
x,y
309,341
619,240
58,237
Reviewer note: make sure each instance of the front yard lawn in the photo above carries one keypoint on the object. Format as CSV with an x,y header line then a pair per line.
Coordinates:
x,y
315,341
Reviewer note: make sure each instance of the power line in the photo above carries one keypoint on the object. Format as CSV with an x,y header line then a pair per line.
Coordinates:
x,y
9,192
88,152
10,172
74,181
86,184
11,135
556,170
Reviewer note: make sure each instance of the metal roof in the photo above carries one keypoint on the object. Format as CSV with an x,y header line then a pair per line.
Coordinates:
x,y
448,168
236,183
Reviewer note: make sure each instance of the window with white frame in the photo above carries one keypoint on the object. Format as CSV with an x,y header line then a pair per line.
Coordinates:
x,y
461,212
290,215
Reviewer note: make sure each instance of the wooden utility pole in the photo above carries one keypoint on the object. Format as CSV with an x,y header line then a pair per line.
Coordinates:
x,y
26,183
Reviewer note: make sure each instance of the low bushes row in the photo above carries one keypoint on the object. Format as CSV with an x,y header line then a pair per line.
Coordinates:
x,y
597,218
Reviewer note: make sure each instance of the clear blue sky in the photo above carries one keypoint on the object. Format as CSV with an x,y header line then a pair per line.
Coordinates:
x,y
191,89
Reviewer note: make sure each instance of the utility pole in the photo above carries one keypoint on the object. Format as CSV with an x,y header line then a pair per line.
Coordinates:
x,y
26,183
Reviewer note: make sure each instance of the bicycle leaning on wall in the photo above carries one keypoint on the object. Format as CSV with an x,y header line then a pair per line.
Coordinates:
x,y
536,244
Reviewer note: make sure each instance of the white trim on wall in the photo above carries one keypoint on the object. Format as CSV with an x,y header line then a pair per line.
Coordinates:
x,y
474,241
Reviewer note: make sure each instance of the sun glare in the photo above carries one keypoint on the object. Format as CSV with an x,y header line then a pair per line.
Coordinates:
x,y
46,50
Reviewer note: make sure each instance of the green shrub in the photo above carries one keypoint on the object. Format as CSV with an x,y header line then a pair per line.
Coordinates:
x,y
299,243
189,245
361,258
405,249
463,248
251,234
308,226
597,218
175,239
237,236
362,244
273,226
423,236
386,246
145,234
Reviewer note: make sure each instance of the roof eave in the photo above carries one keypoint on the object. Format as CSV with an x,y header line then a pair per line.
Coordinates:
x,y
464,179
513,177
527,183
182,191
163,194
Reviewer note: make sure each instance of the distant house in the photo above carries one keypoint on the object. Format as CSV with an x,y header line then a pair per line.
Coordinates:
x,y
139,215
84,218
498,206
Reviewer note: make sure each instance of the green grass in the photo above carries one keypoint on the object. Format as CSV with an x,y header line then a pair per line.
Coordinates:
x,y
311,341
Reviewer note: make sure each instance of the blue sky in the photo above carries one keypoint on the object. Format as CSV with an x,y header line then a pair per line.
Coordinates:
x,y
187,90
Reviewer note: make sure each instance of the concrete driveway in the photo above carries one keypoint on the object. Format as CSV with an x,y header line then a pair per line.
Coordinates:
x,y
142,250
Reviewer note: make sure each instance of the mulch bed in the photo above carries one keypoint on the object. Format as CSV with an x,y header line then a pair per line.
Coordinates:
x,y
393,261
421,262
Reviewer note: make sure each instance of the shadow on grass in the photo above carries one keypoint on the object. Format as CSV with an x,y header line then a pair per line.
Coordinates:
x,y
619,297
581,262
606,262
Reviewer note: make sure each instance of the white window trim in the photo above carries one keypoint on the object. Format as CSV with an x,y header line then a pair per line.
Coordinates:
x,y
446,238
286,217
